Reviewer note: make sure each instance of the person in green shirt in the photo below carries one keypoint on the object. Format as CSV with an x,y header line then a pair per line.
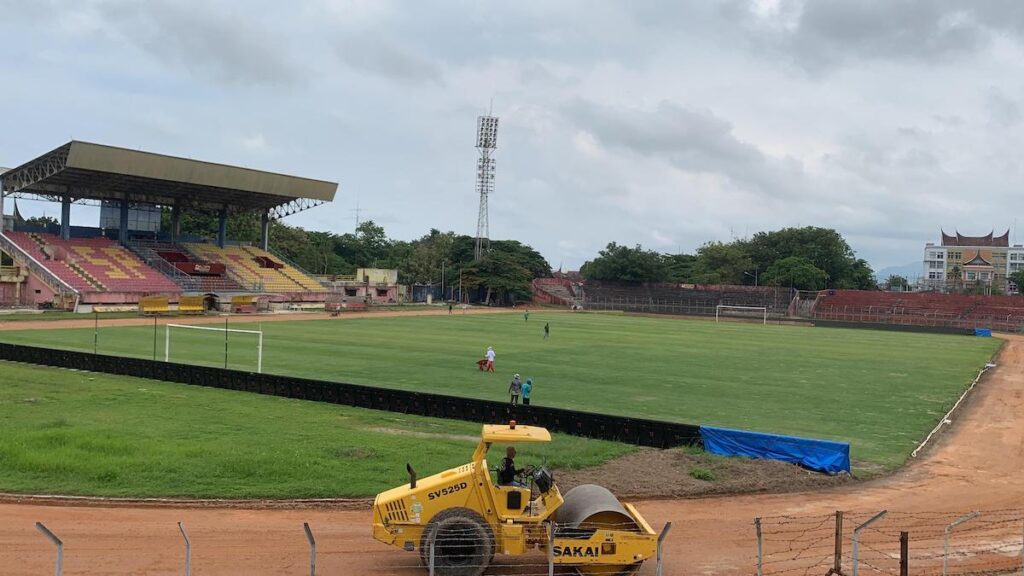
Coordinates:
x,y
526,389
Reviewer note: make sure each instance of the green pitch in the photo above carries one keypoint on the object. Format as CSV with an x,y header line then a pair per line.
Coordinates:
x,y
66,432
880,391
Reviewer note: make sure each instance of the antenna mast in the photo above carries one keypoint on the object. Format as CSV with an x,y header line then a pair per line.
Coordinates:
x,y
486,143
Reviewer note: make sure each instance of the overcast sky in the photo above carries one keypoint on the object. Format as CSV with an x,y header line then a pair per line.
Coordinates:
x,y
665,124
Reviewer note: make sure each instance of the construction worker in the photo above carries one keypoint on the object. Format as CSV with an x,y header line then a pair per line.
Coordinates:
x,y
490,359
515,388
507,472
527,387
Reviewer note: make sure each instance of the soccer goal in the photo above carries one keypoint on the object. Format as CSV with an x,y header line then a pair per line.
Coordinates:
x,y
742,312
226,332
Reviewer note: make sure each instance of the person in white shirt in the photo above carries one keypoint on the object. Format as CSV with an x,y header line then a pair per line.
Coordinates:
x,y
490,359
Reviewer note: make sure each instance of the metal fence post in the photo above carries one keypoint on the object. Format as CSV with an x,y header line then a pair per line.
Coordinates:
x,y
837,566
757,530
188,549
856,536
551,549
312,548
904,560
661,538
945,546
57,542
430,555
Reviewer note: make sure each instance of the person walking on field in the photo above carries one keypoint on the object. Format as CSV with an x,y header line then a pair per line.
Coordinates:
x,y
526,316
547,330
515,389
449,308
527,388
490,359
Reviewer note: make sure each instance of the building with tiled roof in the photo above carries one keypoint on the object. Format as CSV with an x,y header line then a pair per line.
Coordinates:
x,y
961,261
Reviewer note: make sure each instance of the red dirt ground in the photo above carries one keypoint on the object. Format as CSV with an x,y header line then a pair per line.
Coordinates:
x,y
976,464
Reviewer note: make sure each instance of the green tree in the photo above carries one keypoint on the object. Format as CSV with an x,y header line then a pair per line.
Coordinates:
x,y
795,272
503,278
1018,279
426,256
42,221
720,263
680,267
823,247
895,281
625,264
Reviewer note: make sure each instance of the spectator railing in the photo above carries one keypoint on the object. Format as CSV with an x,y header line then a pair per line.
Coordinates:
x,y
49,278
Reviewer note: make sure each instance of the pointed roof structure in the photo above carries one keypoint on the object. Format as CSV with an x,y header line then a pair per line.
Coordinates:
x,y
978,260
988,240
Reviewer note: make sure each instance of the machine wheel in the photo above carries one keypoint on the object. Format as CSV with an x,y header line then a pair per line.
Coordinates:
x,y
463,543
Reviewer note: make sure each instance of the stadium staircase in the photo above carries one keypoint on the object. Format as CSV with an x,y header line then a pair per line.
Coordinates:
x,y
554,291
258,269
164,255
31,260
93,264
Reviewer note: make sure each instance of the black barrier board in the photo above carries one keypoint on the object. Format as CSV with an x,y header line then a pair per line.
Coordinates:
x,y
637,431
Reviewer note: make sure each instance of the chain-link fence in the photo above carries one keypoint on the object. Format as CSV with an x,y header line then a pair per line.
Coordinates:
x,y
454,545
920,543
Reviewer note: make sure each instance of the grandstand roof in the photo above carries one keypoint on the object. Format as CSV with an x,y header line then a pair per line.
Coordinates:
x,y
90,171
988,240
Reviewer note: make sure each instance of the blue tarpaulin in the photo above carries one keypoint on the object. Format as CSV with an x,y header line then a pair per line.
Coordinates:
x,y
821,455
985,332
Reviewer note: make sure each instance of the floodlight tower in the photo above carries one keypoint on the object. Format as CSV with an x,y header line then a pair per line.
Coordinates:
x,y
486,143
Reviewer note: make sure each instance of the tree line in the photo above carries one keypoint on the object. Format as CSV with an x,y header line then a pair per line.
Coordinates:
x,y
807,258
504,274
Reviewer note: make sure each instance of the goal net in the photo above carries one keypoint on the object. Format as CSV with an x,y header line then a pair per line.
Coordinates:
x,y
752,312
208,344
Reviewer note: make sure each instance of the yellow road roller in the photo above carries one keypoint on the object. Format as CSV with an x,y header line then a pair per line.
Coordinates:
x,y
469,518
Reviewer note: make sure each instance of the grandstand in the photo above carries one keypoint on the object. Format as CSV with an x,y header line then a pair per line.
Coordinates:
x,y
686,299
256,269
1004,313
132,253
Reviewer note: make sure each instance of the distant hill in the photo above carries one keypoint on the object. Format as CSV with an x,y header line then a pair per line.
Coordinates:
x,y
910,271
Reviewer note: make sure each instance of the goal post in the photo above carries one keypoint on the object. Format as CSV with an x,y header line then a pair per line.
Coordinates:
x,y
726,307
225,331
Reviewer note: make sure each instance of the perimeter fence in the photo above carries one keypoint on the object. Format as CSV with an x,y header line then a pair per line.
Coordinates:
x,y
452,547
644,305
897,543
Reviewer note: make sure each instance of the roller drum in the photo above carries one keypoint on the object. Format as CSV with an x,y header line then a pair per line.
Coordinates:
x,y
589,507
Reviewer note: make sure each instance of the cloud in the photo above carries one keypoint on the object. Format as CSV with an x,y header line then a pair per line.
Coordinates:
x,y
1003,111
667,123
387,59
823,34
693,141
206,39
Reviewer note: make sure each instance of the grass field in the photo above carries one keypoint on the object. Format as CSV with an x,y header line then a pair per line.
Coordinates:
x,y
67,432
881,391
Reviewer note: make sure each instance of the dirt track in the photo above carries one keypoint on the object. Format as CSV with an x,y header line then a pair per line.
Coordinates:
x,y
975,465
